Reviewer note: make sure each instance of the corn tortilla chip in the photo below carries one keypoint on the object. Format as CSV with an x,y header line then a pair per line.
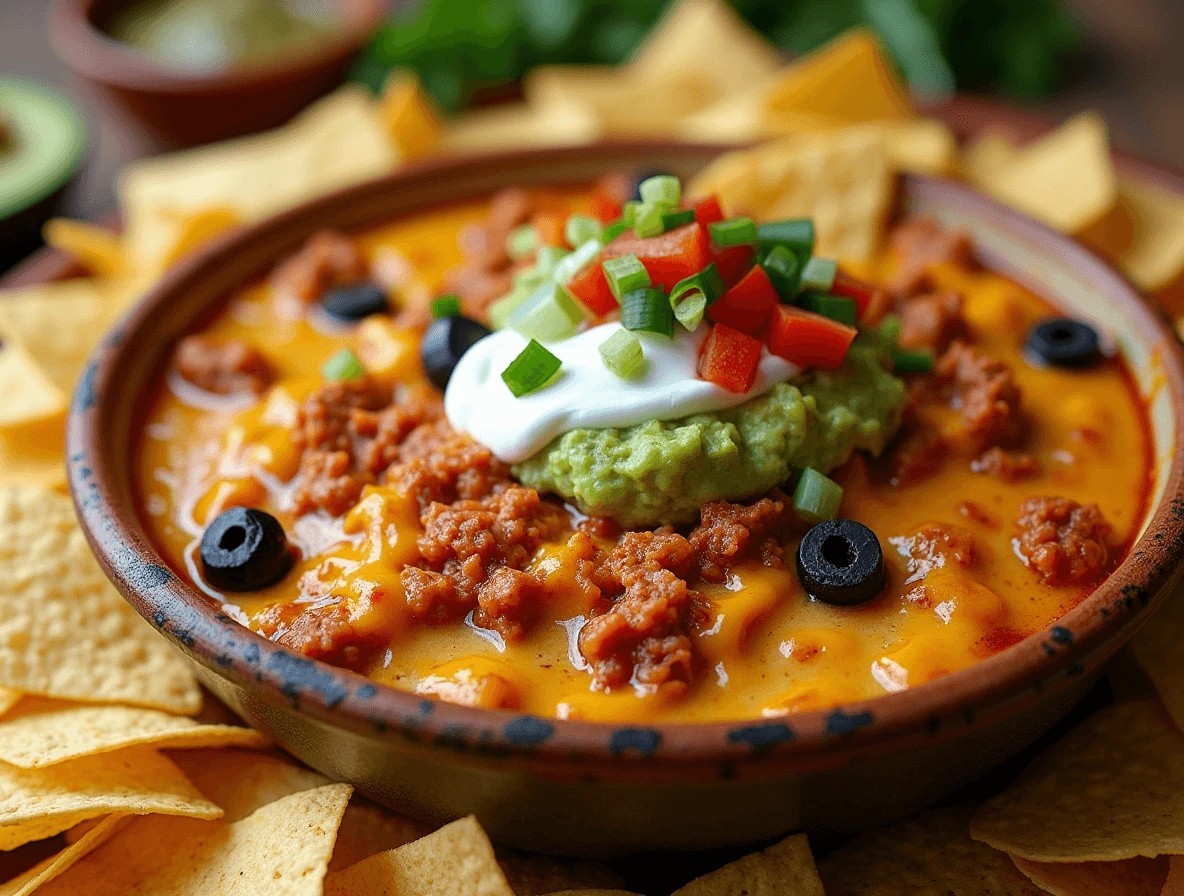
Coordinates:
x,y
412,123
456,860
64,630
38,803
193,230
929,854
44,732
27,395
784,869
43,872
282,849
34,455
241,781
96,248
1157,649
990,151
518,125
8,699
1111,789
1130,877
368,829
1154,255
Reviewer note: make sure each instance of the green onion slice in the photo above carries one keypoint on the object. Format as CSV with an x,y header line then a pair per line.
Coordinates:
x,y
647,310
612,231
625,274
575,262
784,270
648,220
840,308
622,354
691,297
670,220
661,188
531,370
500,311
819,274
733,232
816,498
579,229
907,361
550,313
446,306
890,327
343,366
796,234
629,212
521,242
548,258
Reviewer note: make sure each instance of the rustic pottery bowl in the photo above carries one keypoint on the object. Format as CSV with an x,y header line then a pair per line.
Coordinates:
x,y
601,789
184,108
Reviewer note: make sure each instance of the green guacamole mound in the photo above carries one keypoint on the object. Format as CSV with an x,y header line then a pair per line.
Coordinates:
x,y
663,472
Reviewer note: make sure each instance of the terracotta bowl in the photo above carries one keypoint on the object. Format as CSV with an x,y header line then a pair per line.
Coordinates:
x,y
184,108
600,789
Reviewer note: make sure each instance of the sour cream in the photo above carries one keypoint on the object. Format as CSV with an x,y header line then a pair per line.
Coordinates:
x,y
585,393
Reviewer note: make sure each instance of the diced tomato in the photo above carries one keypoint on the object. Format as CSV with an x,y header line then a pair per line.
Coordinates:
x,y
733,262
853,288
608,197
590,287
748,304
550,227
808,339
730,358
669,258
708,211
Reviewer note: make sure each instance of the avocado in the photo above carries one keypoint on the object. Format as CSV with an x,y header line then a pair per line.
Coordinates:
x,y
42,139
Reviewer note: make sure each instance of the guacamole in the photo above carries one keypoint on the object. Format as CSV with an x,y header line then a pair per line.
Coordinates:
x,y
663,472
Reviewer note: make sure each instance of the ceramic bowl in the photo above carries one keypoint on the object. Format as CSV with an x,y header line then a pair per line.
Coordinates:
x,y
185,108
600,789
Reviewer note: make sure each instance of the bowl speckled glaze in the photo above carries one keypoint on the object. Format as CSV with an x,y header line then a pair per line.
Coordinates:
x,y
597,789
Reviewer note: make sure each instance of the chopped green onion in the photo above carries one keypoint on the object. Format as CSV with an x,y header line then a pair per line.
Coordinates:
x,y
548,258
907,361
500,311
819,274
531,370
796,234
690,297
840,308
573,263
579,229
549,314
629,212
648,220
522,241
661,188
890,327
647,310
816,498
625,274
733,232
612,231
670,220
622,354
446,306
343,366
784,270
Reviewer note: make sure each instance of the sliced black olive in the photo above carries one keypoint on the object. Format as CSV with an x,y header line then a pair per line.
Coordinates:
x,y
352,303
445,341
1064,342
840,562
244,549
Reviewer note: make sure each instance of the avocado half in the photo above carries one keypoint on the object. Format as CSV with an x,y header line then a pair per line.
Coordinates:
x,y
42,141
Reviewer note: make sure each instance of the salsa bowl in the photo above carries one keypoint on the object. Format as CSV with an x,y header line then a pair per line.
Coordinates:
x,y
592,788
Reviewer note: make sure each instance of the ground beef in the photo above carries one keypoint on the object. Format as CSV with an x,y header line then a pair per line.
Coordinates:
x,y
486,274
931,321
921,243
935,545
730,532
321,631
328,259
983,389
920,451
439,464
224,368
1010,466
1065,542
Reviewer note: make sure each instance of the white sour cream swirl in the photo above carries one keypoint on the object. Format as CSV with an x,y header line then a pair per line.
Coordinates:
x,y
586,394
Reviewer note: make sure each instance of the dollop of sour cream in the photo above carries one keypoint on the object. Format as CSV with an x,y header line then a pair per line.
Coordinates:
x,y
585,393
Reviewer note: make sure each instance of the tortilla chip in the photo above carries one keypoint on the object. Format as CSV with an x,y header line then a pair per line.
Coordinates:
x,y
43,732
45,871
1065,179
193,230
412,123
38,803
26,394
96,248
368,829
242,781
34,455
1130,877
1154,254
8,699
785,869
849,80
282,849
64,630
990,151
518,125
1119,778
457,859
1157,649
930,853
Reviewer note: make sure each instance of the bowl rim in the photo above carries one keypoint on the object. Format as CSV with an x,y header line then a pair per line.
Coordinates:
x,y
344,699
99,56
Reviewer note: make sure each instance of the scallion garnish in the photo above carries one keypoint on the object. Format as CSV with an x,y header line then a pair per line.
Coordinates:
x,y
890,327
446,306
579,229
343,366
690,297
670,220
531,370
548,258
840,308
647,310
549,314
819,274
647,221
816,498
629,212
906,361
500,311
574,262
625,274
622,354
612,231
521,242
661,188
784,270
732,232
796,234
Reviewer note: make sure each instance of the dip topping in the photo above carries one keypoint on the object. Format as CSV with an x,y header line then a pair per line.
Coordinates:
x,y
244,549
354,302
841,562
446,341
1064,342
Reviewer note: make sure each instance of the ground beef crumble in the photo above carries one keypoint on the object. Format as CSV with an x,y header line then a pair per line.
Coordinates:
x,y
1065,542
727,532
223,367
327,260
931,322
922,243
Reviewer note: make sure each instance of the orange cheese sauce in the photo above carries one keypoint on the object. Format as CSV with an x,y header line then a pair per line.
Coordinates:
x,y
769,649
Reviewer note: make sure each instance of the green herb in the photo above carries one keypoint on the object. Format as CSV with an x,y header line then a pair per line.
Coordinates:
x,y
816,498
890,327
670,220
840,308
522,241
575,261
660,189
548,258
733,232
690,297
549,314
622,354
795,234
343,366
647,310
906,361
446,306
612,231
784,270
819,274
579,229
531,370
625,274
647,220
